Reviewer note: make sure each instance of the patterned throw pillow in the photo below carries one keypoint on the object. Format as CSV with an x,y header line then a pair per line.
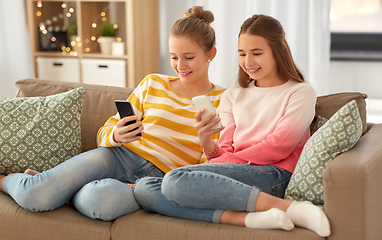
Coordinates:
x,y
339,134
39,132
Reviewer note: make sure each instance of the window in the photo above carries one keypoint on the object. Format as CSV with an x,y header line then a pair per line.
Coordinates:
x,y
356,30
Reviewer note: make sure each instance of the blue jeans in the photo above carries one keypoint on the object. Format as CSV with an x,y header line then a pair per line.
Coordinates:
x,y
94,180
202,192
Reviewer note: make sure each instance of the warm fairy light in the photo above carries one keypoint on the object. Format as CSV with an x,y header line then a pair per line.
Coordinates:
x,y
87,49
39,4
79,44
63,5
94,25
38,14
103,19
78,39
115,26
73,43
63,53
71,10
87,40
42,27
98,40
44,31
93,38
63,48
119,39
68,49
68,14
103,14
53,39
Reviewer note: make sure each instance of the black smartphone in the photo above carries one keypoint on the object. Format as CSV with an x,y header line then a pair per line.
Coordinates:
x,y
126,109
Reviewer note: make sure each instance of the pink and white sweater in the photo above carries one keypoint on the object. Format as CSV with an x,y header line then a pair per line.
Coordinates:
x,y
265,125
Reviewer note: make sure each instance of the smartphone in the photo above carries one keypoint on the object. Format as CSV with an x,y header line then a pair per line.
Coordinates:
x,y
126,109
203,101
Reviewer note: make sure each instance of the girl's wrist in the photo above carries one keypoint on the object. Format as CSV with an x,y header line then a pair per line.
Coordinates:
x,y
212,153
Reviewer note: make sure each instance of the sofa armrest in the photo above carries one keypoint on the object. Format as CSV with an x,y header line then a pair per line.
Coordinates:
x,y
353,189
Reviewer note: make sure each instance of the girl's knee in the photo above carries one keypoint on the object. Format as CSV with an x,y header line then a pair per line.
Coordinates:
x,y
105,199
146,189
172,184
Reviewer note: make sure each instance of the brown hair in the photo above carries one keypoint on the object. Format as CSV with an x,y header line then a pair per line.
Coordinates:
x,y
271,29
196,25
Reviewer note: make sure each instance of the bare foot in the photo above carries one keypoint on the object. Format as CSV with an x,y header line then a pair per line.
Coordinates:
x,y
31,172
2,177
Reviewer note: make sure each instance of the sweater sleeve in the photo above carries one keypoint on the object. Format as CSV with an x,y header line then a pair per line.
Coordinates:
x,y
280,143
106,132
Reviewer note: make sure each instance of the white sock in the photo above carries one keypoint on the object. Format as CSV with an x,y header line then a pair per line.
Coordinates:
x,y
307,215
272,219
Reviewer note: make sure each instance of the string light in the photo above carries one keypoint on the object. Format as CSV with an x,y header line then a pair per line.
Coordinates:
x,y
45,28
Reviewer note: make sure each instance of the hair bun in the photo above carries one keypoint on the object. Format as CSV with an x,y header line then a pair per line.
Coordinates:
x,y
199,12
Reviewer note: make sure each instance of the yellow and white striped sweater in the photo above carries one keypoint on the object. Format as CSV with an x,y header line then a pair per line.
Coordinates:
x,y
170,139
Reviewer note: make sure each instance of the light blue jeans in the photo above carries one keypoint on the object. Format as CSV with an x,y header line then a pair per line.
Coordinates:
x,y
202,192
95,181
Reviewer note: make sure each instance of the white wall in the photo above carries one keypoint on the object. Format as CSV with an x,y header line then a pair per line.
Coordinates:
x,y
365,77
360,76
15,54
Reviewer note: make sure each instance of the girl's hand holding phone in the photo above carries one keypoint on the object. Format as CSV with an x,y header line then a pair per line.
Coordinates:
x,y
205,129
128,133
128,128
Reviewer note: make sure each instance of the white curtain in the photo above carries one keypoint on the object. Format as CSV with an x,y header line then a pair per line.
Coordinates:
x,y
15,54
306,23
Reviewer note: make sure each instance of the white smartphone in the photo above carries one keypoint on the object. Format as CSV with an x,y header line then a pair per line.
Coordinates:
x,y
203,101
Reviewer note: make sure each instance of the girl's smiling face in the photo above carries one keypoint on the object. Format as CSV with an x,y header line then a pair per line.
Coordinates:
x,y
189,60
256,59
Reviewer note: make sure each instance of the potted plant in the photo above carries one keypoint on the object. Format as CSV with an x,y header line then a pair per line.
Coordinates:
x,y
108,34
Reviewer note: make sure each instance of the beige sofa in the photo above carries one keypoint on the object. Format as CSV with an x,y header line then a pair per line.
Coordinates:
x,y
352,182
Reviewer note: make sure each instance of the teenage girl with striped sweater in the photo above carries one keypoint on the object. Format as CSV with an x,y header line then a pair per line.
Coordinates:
x,y
97,180
266,121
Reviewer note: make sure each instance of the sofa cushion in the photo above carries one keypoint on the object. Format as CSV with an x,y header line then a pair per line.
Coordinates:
x,y
98,103
337,135
39,132
327,105
62,223
144,225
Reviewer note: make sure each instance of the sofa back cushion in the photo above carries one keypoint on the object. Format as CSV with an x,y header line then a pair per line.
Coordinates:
x,y
98,104
327,105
